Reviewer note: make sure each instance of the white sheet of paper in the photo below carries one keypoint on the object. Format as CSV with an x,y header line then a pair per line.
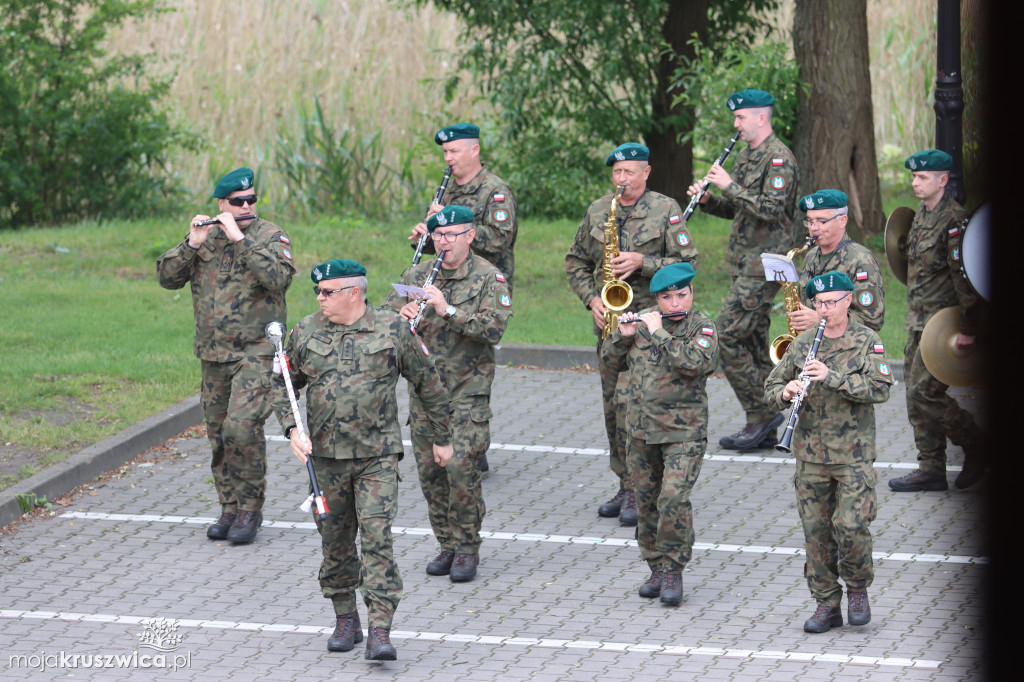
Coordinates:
x,y
408,291
778,268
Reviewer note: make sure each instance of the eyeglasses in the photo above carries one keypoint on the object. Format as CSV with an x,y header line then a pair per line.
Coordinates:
x,y
828,305
242,201
820,223
448,238
327,294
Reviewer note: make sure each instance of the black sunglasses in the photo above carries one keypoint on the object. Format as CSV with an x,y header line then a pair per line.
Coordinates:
x,y
242,201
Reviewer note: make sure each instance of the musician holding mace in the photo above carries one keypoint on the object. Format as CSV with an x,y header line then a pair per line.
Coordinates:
x,y
350,356
666,352
651,235
759,196
834,445
467,312
239,267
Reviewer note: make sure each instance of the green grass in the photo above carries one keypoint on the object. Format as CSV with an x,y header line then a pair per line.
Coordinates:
x,y
87,329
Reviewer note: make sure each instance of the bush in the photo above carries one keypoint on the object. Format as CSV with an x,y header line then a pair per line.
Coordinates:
x,y
81,134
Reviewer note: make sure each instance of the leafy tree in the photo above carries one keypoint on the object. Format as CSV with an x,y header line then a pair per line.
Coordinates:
x,y
81,133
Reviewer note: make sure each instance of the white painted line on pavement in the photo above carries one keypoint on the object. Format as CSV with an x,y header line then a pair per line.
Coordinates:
x,y
621,647
540,537
753,459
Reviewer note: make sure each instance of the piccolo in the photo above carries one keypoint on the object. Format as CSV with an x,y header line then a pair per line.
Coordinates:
x,y
214,221
704,187
438,195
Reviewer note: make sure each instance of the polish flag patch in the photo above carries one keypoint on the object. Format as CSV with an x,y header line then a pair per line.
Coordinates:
x,y
499,196
778,162
674,219
861,276
285,239
954,231
878,348
708,331
500,277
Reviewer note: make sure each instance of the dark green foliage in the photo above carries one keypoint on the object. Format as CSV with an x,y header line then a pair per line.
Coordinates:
x,y
81,132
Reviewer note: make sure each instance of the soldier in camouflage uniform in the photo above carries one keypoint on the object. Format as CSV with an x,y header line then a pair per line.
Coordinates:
x,y
239,271
935,281
464,316
760,198
827,214
834,445
651,235
669,360
350,355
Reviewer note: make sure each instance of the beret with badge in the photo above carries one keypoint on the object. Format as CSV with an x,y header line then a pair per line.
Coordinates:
x,y
629,151
450,215
459,131
929,160
824,198
832,280
672,277
335,268
749,99
237,180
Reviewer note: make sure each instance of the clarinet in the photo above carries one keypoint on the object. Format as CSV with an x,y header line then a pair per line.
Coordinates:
x,y
438,195
415,322
704,187
784,445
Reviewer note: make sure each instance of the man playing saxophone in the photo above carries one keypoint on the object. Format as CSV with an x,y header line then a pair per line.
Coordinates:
x,y
834,446
825,219
651,235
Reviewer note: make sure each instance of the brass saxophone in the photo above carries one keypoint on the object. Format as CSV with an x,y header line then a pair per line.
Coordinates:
x,y
792,301
616,295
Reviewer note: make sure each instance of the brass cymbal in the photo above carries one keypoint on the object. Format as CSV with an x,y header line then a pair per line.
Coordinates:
x,y
897,228
946,362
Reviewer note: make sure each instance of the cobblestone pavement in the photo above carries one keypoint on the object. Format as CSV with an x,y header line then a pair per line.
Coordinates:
x,y
555,598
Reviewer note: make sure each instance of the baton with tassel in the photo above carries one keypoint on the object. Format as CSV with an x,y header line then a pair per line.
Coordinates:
x,y
275,332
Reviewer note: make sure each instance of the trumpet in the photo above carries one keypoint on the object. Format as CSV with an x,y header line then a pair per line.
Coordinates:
x,y
704,186
214,221
792,301
415,322
785,445
438,195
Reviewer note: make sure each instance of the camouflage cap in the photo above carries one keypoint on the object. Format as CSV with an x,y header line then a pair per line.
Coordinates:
x,y
335,268
670,277
238,179
459,131
450,215
929,160
630,151
749,99
824,198
832,280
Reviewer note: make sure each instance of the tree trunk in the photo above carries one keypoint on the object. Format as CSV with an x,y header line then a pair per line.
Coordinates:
x,y
671,161
835,134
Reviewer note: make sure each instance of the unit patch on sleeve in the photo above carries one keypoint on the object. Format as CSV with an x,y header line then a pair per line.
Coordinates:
x,y
505,301
778,182
683,239
702,342
500,215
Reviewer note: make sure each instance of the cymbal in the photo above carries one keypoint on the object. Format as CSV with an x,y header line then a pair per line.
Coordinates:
x,y
946,362
897,228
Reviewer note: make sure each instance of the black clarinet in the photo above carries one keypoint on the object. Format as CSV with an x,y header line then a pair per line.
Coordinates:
x,y
438,195
415,322
214,221
704,187
785,444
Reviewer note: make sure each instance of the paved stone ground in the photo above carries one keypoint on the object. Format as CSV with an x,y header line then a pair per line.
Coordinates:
x,y
555,598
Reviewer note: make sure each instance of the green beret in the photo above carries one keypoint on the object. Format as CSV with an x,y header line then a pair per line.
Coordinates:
x,y
824,198
338,267
459,131
829,281
238,179
675,276
929,160
749,99
450,215
630,151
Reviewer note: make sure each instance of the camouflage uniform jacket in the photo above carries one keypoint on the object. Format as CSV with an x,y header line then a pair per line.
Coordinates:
x,y
837,418
351,372
859,264
761,201
236,288
934,276
653,227
463,346
495,218
669,369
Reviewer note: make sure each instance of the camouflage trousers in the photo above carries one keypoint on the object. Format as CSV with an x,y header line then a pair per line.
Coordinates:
x,y
236,402
454,493
933,414
743,324
837,503
614,393
361,494
663,475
